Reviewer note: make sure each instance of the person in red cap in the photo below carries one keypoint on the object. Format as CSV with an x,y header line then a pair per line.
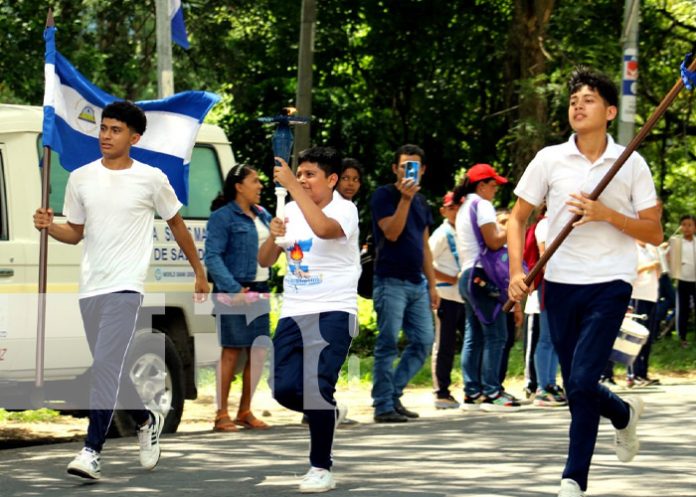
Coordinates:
x,y
450,316
486,327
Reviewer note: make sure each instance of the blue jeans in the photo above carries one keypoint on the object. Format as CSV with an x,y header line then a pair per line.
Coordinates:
x,y
584,322
545,357
399,304
483,343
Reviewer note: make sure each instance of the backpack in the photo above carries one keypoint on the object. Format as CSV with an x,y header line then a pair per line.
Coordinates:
x,y
496,266
530,254
367,265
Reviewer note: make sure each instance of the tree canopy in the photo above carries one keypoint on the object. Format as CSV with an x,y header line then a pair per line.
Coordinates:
x,y
468,80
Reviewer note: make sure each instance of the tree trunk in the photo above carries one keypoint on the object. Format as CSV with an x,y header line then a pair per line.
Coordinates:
x,y
527,66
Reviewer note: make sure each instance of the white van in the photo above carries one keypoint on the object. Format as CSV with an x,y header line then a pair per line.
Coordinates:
x,y
189,338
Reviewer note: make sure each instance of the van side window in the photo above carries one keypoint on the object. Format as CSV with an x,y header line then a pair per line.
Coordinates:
x,y
4,230
59,180
205,182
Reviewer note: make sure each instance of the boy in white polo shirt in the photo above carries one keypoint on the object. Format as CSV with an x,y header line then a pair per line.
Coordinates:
x,y
588,280
318,319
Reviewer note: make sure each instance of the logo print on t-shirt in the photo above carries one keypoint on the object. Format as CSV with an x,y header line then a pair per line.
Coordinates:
x,y
295,256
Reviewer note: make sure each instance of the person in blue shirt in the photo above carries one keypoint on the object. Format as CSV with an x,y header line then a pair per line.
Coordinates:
x,y
404,285
237,227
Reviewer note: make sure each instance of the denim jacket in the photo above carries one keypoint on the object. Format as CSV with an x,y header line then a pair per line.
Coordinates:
x,y
232,246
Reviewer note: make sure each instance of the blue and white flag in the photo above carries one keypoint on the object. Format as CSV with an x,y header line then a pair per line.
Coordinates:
x,y
176,14
72,116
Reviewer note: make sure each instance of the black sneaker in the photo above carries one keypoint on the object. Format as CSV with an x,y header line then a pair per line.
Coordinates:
x,y
399,407
448,402
390,417
501,402
530,392
557,392
472,403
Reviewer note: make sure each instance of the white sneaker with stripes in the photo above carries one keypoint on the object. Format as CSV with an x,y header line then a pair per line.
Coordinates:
x,y
148,438
87,464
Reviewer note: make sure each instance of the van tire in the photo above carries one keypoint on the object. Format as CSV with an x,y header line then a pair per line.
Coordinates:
x,y
145,356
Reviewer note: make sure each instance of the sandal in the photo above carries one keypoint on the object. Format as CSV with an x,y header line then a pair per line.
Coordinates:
x,y
223,422
249,421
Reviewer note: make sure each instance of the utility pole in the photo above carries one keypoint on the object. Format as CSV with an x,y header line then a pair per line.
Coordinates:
x,y
629,78
303,98
165,73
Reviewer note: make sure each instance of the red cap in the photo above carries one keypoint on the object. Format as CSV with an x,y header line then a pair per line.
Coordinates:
x,y
480,172
448,199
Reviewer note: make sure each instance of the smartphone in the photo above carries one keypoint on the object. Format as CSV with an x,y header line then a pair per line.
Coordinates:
x,y
412,167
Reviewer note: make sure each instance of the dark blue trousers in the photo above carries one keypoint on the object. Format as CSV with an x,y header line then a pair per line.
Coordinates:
x,y
308,352
639,369
686,297
584,321
109,322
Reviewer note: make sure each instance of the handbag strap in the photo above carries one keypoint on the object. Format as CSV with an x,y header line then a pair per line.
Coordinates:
x,y
473,215
453,246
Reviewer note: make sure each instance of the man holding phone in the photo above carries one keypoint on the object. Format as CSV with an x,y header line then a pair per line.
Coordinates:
x,y
403,298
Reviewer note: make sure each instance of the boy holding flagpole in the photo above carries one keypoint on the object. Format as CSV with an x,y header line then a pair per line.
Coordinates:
x,y
110,204
587,284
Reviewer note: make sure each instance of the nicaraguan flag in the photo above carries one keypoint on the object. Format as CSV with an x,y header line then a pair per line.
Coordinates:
x,y
72,115
176,14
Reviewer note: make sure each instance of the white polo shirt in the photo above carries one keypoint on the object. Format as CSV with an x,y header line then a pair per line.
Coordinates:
x,y
596,252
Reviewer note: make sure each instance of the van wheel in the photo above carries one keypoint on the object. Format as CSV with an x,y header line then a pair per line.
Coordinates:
x,y
159,383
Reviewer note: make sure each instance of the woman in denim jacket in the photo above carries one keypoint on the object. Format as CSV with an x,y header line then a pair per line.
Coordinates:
x,y
235,230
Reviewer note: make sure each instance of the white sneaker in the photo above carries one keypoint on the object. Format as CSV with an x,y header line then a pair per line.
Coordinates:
x,y
626,441
87,464
317,480
569,488
342,410
148,438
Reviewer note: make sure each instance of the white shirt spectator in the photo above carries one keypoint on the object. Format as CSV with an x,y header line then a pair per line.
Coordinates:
x,y
688,254
444,261
646,285
467,243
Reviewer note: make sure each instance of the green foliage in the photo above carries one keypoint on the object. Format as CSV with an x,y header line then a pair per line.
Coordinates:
x,y
451,75
38,415
364,344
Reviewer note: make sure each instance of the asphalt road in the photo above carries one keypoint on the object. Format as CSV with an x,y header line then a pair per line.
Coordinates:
x,y
451,453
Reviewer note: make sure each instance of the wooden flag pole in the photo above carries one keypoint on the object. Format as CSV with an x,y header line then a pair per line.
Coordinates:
x,y
43,255
630,148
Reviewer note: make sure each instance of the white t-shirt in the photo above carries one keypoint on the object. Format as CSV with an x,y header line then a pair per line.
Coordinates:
x,y
595,252
541,231
646,285
117,209
466,238
263,234
322,274
444,261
